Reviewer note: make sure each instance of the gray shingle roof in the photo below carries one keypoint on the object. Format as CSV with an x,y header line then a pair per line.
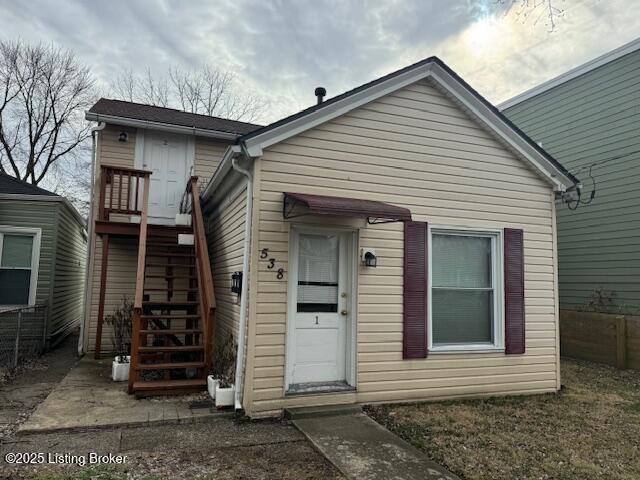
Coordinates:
x,y
12,185
170,116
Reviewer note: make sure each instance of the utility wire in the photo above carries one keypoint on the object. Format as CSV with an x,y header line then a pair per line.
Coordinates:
x,y
573,204
605,160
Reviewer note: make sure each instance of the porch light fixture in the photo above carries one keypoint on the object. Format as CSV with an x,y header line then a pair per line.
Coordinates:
x,y
236,282
123,137
368,257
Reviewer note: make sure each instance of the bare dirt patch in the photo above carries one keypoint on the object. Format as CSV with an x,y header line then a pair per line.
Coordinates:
x,y
289,461
590,430
24,388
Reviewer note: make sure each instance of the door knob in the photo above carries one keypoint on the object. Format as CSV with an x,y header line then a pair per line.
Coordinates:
x,y
343,313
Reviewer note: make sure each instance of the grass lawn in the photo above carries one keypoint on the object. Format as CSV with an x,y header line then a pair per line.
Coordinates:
x,y
590,430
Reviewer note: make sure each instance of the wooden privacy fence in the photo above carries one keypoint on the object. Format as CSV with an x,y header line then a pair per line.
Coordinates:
x,y
601,337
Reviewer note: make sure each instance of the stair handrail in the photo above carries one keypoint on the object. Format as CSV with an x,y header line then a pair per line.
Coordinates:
x,y
124,191
137,303
203,270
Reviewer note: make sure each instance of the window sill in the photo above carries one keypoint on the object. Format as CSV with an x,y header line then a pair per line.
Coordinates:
x,y
450,351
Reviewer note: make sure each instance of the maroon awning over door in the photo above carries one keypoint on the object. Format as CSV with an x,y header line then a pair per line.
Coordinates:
x,y
297,204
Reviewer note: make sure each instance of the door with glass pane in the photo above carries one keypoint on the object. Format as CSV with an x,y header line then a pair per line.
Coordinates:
x,y
17,276
317,352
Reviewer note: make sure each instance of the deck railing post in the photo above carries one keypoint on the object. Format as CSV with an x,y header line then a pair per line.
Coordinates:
x,y
621,342
103,188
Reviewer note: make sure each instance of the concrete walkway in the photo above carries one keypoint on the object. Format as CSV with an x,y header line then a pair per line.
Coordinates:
x,y
22,394
362,449
88,398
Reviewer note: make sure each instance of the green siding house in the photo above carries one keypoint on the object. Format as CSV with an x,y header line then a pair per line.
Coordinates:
x,y
589,119
43,251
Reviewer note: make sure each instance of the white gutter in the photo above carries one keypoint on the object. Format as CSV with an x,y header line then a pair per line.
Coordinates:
x,y
131,122
94,159
245,280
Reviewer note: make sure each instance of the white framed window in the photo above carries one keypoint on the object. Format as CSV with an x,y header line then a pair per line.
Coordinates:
x,y
19,259
465,289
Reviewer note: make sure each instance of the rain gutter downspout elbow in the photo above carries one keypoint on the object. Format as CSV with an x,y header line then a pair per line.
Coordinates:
x,y
239,380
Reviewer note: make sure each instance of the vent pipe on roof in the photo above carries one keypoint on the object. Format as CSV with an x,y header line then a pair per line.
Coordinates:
x,y
320,92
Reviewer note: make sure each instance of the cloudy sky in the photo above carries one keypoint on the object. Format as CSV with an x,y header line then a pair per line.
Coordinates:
x,y
282,50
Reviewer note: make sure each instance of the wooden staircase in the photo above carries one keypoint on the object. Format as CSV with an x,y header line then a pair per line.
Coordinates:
x,y
172,332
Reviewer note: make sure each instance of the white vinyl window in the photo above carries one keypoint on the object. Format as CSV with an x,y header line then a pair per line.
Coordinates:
x,y
19,257
465,290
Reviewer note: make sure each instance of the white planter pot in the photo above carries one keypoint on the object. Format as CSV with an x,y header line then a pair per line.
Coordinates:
x,y
183,219
225,397
212,384
186,239
120,371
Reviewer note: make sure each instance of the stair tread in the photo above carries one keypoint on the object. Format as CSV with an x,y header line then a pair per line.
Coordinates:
x,y
167,244
169,365
171,254
169,276
160,264
170,289
161,303
170,316
162,348
169,384
170,331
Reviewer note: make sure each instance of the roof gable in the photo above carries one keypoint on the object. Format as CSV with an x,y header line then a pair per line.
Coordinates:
x,y
431,68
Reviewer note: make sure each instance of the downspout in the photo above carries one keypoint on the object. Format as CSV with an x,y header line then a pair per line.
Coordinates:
x,y
245,280
87,294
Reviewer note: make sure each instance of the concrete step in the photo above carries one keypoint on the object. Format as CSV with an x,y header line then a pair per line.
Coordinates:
x,y
324,411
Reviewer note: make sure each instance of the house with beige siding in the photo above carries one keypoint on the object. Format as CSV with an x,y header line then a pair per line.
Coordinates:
x,y
393,243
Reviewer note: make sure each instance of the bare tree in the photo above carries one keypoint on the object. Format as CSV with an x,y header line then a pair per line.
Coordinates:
x,y
43,93
535,11
207,91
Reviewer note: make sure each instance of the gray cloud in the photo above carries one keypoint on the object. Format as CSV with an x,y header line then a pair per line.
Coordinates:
x,y
283,49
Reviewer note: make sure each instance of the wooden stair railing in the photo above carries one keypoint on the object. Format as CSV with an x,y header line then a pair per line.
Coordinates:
x,y
120,191
172,336
203,271
140,273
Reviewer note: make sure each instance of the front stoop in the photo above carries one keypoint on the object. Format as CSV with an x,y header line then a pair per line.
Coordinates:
x,y
87,398
325,411
362,449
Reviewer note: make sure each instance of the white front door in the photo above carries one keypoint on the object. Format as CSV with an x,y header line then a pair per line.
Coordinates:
x,y
320,303
167,157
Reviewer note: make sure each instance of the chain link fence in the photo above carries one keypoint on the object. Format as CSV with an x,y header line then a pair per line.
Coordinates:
x,y
22,334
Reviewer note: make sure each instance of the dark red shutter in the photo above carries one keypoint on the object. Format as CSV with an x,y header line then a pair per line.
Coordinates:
x,y
415,290
514,291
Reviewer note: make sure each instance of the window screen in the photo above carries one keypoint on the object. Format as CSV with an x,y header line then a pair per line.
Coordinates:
x,y
318,273
462,293
15,269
